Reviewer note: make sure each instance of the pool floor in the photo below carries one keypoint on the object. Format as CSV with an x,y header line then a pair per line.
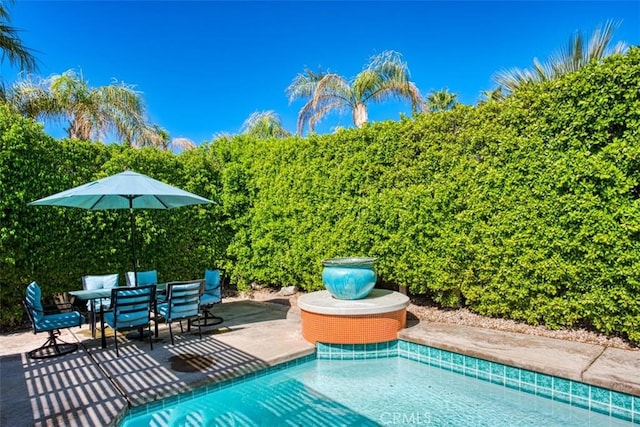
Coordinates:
x,y
387,391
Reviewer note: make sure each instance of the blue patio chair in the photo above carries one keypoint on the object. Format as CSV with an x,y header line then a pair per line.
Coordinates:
x,y
212,295
182,303
95,306
130,309
52,323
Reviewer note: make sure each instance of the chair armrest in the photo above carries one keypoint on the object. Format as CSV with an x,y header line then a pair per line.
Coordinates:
x,y
60,307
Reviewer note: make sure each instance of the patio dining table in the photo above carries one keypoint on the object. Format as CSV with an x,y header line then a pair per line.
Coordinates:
x,y
92,295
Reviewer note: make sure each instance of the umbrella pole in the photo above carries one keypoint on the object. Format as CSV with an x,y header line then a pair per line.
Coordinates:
x,y
133,242
139,334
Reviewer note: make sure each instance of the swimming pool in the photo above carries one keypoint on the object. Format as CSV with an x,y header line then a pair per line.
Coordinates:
x,y
396,383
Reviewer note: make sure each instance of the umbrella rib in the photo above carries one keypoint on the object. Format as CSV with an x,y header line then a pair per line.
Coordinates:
x,y
96,203
162,203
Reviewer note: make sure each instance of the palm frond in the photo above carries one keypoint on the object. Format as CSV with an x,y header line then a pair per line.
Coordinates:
x,y
11,45
571,58
304,84
264,124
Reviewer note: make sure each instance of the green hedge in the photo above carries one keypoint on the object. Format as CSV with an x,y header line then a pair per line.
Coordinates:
x,y
56,246
525,209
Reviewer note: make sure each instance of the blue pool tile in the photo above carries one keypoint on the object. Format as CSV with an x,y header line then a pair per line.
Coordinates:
x,y
621,400
624,414
635,403
580,402
529,387
457,368
471,363
512,373
561,396
528,377
600,396
361,355
457,362
561,385
484,370
435,355
497,370
600,407
580,390
544,381
497,379
514,384
484,366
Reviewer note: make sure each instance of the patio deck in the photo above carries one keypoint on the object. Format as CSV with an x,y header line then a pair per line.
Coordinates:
x,y
93,387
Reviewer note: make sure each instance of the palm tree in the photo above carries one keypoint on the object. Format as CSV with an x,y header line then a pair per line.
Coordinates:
x,y
264,124
573,57
12,47
496,95
182,143
386,76
90,112
441,100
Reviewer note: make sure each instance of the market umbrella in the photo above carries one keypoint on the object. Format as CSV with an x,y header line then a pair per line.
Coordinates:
x,y
126,190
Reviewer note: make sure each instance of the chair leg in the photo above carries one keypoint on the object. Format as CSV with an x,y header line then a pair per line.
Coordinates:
x,y
115,337
92,322
171,333
215,320
155,322
151,335
59,347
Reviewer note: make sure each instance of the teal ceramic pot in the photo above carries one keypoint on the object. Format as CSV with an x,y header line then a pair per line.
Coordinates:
x,y
349,278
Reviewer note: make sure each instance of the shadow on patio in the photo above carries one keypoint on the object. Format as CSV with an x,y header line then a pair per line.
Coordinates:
x,y
94,387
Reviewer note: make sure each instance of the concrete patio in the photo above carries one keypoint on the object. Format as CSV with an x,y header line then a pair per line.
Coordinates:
x,y
93,387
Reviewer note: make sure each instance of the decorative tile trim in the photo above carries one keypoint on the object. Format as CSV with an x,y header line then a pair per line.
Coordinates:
x,y
381,350
593,398
597,399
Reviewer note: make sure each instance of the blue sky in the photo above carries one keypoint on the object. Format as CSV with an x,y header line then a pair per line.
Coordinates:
x,y
204,66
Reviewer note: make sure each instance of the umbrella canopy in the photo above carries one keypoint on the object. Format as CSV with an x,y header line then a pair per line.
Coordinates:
x,y
126,190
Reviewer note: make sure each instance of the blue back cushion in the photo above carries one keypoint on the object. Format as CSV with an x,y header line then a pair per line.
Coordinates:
x,y
34,298
212,283
106,281
147,277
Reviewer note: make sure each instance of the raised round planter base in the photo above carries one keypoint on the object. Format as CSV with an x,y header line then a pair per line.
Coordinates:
x,y
376,318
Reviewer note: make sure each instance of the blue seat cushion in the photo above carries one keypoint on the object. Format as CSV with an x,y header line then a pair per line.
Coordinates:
x,y
129,320
208,299
178,312
51,322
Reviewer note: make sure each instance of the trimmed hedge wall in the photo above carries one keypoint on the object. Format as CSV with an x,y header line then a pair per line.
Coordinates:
x,y
525,209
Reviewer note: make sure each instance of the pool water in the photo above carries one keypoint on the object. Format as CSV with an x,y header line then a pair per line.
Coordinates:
x,y
376,392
